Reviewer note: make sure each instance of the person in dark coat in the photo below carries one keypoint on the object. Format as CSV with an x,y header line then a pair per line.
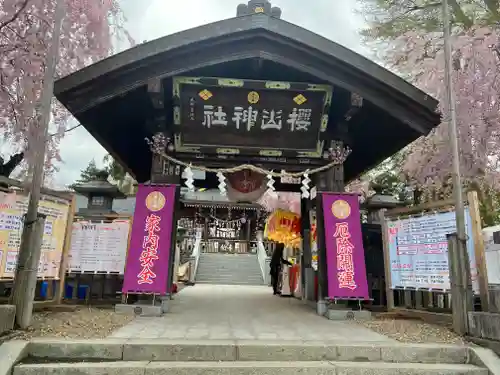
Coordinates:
x,y
277,262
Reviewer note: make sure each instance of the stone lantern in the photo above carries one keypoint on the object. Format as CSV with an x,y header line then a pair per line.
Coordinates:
x,y
100,194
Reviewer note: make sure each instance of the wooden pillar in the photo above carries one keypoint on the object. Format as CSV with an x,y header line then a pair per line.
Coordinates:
x,y
205,230
164,172
389,293
60,287
248,224
462,301
477,233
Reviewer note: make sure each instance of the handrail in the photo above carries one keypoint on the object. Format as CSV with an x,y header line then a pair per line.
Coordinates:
x,y
195,256
261,255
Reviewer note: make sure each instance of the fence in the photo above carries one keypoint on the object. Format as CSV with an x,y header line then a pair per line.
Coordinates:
x,y
416,258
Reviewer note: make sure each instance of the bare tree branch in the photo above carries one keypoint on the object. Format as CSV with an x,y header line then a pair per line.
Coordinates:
x,y
16,14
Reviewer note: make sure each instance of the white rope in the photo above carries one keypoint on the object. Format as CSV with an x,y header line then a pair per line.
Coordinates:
x,y
254,168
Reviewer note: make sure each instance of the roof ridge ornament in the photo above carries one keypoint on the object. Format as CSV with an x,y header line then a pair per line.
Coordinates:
x,y
258,6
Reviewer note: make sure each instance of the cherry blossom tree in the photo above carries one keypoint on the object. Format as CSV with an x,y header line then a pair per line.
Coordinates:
x,y
411,33
476,76
26,26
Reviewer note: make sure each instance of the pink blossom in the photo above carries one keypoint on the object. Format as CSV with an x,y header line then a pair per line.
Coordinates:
x,y
26,27
477,84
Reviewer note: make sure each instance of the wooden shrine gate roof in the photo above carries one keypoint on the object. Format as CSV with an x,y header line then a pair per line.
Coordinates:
x,y
128,97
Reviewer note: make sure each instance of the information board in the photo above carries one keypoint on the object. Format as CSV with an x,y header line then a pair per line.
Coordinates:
x,y
99,247
418,250
12,208
491,236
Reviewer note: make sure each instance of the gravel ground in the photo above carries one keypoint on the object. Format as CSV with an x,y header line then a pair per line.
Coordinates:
x,y
412,331
83,323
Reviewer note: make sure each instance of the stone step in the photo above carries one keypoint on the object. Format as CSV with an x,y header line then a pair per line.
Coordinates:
x,y
238,266
230,282
228,277
46,350
230,274
246,368
229,270
228,262
251,265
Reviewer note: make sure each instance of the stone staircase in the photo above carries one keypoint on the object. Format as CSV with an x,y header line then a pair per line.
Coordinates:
x,y
229,269
151,357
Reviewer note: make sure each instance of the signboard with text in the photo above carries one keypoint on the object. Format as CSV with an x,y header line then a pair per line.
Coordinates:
x,y
12,209
246,116
418,251
345,255
99,247
150,254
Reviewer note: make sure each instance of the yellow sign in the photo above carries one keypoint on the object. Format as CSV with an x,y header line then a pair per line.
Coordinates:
x,y
155,201
341,209
12,208
259,10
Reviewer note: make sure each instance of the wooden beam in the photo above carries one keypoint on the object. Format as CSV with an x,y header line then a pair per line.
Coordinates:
x,y
420,208
131,223
389,293
479,251
63,265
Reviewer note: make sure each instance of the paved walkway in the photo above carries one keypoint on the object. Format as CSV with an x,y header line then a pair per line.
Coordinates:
x,y
224,312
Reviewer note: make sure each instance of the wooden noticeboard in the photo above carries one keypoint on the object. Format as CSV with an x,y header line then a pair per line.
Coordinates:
x,y
12,208
99,247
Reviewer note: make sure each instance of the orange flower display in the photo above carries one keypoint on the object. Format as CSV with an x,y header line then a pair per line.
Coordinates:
x,y
284,226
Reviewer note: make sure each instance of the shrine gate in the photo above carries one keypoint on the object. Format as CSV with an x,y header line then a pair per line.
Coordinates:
x,y
255,90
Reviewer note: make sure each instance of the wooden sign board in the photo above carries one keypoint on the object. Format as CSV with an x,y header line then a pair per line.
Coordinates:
x,y
234,117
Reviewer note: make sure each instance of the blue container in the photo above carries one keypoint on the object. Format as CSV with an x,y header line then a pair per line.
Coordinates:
x,y
82,291
44,287
68,291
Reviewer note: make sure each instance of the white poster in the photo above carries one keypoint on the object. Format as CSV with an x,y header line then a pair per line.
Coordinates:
x,y
492,254
418,250
99,247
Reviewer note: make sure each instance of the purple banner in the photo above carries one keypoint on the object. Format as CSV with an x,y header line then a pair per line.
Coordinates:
x,y
345,256
147,268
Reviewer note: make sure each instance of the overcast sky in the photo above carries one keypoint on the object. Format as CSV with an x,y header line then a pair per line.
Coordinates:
x,y
152,19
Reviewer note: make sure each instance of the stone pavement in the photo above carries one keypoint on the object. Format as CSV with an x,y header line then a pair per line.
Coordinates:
x,y
237,312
